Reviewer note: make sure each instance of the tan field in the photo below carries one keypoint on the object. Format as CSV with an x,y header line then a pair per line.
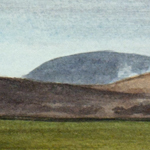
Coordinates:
x,y
137,84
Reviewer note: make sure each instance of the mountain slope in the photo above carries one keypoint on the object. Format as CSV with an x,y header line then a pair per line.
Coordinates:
x,y
101,67
137,84
25,98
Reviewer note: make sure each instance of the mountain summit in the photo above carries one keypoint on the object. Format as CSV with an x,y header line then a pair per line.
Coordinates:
x,y
102,67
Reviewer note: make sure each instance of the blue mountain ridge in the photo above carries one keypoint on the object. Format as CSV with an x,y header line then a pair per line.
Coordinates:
x,y
101,67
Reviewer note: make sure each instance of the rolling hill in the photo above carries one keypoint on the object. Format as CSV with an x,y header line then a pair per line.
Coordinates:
x,y
102,67
136,84
26,98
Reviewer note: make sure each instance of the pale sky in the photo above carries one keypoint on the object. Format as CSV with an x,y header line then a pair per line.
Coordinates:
x,y
35,31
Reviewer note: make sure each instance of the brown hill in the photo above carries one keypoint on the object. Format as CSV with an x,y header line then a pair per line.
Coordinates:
x,y
137,84
25,98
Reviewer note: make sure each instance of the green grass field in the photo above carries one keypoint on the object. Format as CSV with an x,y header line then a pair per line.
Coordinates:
x,y
103,135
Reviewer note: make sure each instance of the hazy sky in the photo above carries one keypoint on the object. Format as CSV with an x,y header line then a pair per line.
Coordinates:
x,y
35,31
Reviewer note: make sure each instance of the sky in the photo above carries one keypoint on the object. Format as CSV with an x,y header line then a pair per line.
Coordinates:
x,y
35,31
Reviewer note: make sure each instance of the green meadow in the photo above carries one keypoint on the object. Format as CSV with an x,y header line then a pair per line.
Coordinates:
x,y
102,135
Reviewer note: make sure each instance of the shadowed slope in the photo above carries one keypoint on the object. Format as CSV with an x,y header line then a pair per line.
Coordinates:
x,y
19,98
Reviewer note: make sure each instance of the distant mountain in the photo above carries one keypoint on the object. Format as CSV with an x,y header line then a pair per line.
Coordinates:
x,y
102,67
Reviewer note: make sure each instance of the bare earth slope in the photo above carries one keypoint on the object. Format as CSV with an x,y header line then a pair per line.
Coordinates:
x,y
19,98
137,84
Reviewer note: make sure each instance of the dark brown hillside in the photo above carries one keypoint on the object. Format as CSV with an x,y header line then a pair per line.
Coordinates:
x,y
21,97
